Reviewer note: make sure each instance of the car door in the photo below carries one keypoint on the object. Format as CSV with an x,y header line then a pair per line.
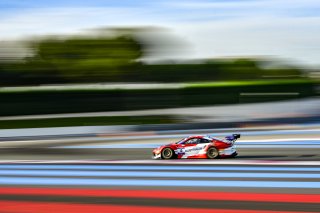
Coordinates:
x,y
190,147
203,143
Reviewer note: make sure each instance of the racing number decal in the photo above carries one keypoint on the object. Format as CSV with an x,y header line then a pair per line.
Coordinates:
x,y
180,151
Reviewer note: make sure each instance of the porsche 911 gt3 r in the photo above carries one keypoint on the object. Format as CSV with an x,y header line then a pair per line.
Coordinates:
x,y
198,146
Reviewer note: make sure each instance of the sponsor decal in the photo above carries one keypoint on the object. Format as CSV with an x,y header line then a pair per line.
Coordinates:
x,y
193,149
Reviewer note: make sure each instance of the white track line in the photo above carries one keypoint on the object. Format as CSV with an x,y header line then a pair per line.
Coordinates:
x,y
279,140
169,162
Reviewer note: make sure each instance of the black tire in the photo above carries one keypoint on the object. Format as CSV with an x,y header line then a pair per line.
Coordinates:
x,y
212,153
167,153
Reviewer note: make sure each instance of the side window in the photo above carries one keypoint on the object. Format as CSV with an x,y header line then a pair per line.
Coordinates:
x,y
193,141
204,140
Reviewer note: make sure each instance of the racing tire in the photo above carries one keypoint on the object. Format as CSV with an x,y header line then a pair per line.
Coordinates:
x,y
167,153
212,153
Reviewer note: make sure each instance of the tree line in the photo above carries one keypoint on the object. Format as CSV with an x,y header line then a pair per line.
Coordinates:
x,y
117,58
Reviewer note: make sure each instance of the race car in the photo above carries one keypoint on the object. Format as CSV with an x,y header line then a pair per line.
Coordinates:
x,y
198,146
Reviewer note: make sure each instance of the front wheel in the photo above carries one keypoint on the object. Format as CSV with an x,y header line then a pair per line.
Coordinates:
x,y
212,153
167,153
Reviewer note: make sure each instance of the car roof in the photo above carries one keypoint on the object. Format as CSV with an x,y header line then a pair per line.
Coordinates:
x,y
208,137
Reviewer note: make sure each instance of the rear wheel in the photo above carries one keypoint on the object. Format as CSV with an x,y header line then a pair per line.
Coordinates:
x,y
212,153
167,153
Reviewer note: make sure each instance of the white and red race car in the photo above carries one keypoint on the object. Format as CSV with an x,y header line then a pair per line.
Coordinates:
x,y
198,146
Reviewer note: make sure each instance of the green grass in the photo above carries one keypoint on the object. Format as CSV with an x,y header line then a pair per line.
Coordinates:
x,y
249,83
85,121
34,89
17,101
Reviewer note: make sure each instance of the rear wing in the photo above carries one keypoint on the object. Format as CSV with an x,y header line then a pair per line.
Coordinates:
x,y
232,138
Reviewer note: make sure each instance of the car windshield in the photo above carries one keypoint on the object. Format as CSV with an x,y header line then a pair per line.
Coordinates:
x,y
181,141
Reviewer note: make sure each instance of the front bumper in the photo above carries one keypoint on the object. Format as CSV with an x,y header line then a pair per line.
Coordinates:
x,y
156,156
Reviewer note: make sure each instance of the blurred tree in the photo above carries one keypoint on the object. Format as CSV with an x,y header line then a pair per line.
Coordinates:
x,y
240,69
122,55
87,58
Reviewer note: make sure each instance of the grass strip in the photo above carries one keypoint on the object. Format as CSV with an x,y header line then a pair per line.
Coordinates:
x,y
101,88
86,121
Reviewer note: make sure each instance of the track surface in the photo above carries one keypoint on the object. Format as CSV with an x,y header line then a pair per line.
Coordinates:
x,y
306,152
281,176
259,145
171,187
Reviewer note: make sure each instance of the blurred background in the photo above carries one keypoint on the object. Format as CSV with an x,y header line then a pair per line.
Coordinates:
x,y
66,57
105,80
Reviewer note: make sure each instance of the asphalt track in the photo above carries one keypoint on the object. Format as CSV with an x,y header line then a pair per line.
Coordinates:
x,y
271,175
302,154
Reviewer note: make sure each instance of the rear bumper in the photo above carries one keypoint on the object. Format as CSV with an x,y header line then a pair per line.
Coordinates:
x,y
231,151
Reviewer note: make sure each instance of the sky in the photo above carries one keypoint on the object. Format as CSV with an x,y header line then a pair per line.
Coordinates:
x,y
286,29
